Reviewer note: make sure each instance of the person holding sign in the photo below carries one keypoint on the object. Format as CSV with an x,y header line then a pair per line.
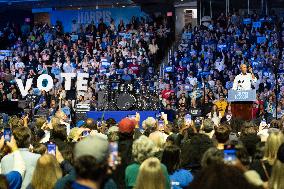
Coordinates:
x,y
244,80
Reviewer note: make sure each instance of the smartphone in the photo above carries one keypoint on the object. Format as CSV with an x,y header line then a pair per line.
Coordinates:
x,y
99,124
113,155
51,148
7,134
86,133
230,155
158,115
132,116
187,118
161,124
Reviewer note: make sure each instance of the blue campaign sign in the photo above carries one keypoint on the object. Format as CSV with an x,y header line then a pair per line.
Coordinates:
x,y
169,69
256,24
221,47
261,40
247,21
87,16
187,35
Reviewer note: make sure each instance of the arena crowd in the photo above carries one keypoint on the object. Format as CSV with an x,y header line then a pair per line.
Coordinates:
x,y
193,143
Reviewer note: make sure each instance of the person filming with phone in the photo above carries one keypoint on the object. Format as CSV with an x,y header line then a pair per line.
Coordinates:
x,y
244,81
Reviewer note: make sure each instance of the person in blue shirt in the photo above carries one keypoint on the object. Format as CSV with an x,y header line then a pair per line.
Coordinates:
x,y
180,178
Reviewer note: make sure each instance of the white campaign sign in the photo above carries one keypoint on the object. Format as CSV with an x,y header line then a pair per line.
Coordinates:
x,y
82,81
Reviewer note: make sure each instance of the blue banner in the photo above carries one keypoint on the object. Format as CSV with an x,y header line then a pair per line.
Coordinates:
x,y
169,69
261,40
256,24
221,47
247,21
87,16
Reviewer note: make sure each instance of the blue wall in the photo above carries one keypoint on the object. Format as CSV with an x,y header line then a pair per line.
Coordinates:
x,y
87,16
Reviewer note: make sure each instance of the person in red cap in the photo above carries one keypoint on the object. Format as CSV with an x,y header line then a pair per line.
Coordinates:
x,y
126,129
126,125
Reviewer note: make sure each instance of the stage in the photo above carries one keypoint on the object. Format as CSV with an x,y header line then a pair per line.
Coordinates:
x,y
118,115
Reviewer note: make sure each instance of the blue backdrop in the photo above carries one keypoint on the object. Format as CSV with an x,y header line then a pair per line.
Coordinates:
x,y
118,115
87,16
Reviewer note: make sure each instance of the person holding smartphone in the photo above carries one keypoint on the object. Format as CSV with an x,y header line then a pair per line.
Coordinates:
x,y
15,176
22,136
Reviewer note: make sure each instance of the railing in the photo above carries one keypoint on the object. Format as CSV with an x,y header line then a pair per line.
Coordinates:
x,y
167,59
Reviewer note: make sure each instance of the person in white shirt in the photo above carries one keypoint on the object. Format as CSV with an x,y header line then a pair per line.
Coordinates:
x,y
19,64
244,80
220,63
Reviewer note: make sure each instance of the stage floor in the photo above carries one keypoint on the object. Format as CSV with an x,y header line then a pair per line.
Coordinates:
x,y
118,115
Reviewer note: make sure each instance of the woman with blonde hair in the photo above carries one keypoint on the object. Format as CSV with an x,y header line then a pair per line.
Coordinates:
x,y
151,175
142,149
264,166
46,173
276,181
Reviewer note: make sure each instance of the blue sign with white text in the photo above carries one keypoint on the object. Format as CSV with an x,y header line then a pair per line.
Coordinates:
x,y
256,24
261,40
85,17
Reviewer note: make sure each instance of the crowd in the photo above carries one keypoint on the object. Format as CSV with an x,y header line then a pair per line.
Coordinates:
x,y
125,53
44,154
210,56
193,143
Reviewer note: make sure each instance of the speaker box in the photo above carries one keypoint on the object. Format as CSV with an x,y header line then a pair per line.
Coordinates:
x,y
80,116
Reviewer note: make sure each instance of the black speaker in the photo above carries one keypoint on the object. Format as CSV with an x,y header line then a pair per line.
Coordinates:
x,y
23,104
80,116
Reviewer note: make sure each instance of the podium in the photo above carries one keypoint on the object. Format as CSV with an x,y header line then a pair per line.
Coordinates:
x,y
242,103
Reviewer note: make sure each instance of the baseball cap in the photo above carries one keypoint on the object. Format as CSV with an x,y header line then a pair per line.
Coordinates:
x,y
126,125
95,146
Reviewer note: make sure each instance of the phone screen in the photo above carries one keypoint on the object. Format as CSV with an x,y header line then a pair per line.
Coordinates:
x,y
7,134
86,133
51,148
113,159
161,124
187,118
230,155
158,115
99,123
132,116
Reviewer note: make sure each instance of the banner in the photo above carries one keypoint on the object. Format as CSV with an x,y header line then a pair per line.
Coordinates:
x,y
85,17
169,69
247,21
221,47
5,53
261,40
256,24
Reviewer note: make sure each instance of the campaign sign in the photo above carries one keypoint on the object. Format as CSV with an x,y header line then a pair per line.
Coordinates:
x,y
261,40
247,21
87,16
256,24
169,69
